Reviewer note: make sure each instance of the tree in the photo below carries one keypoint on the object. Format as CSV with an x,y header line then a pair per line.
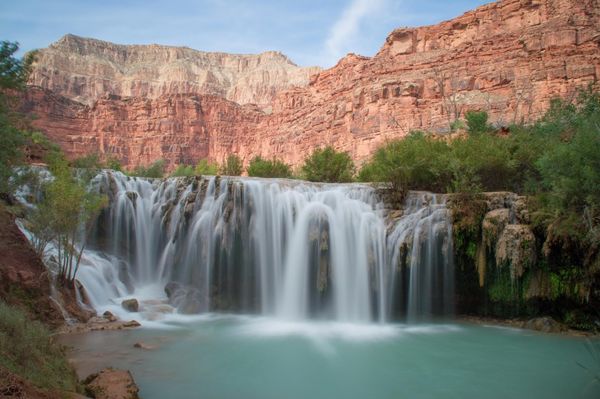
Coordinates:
x,y
328,165
205,167
64,216
13,75
274,168
233,166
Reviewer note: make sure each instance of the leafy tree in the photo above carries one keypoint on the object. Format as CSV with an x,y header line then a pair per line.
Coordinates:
x,y
64,216
274,168
13,75
233,166
328,165
155,170
204,167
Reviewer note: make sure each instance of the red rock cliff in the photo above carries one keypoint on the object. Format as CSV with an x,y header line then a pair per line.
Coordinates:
x,y
508,58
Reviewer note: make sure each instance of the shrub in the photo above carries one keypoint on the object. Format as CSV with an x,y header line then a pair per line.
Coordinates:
x,y
205,167
27,349
477,122
183,170
274,168
155,170
233,166
328,165
417,162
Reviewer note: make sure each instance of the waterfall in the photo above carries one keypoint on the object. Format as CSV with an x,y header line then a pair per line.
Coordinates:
x,y
288,249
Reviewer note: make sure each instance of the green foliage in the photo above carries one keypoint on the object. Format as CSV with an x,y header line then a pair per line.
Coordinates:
x,y
477,122
481,162
274,168
204,167
13,71
13,75
113,163
328,165
233,166
155,170
418,162
64,216
183,170
27,349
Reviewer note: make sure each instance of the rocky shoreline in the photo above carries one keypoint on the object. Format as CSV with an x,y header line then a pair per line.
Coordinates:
x,y
546,325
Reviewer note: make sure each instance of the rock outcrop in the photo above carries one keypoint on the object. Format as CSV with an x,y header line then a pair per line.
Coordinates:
x,y
86,70
508,58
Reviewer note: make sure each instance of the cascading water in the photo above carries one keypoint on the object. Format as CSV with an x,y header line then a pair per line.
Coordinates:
x,y
289,249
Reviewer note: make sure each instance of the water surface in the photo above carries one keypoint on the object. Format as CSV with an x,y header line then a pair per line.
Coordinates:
x,y
228,357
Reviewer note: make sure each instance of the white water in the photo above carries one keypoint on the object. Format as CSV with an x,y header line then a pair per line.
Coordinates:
x,y
285,249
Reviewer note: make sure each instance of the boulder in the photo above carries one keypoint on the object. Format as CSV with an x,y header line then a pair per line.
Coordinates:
x,y
187,299
544,324
109,316
111,384
131,305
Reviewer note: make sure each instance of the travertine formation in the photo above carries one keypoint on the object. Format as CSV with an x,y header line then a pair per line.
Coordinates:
x,y
508,58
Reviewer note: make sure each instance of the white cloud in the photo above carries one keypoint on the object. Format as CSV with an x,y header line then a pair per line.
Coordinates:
x,y
346,28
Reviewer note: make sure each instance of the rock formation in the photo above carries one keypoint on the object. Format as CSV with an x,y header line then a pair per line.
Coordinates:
x,y
86,70
508,58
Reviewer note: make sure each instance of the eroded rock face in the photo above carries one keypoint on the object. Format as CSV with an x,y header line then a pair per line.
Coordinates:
x,y
508,58
86,70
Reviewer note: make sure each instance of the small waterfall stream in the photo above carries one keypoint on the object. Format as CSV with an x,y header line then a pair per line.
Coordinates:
x,y
289,249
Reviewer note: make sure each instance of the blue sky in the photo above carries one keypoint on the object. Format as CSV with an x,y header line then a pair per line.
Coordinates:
x,y
310,32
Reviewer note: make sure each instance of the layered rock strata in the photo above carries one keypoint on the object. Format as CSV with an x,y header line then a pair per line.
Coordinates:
x,y
508,58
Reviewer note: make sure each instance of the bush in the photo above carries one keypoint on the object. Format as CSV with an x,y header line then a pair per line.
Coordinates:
x,y
155,170
205,167
274,168
183,170
477,122
233,166
328,165
418,162
27,349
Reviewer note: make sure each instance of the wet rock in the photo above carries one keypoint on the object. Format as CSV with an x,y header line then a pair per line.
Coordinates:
x,y
187,299
516,248
111,384
142,345
109,316
131,324
493,224
131,305
544,324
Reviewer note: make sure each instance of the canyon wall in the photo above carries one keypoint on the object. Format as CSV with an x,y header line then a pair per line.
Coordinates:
x,y
508,58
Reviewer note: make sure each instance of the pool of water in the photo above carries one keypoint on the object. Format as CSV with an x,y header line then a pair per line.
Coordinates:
x,y
229,357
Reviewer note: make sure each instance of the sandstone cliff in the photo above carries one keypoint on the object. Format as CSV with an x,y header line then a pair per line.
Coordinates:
x,y
508,58
85,70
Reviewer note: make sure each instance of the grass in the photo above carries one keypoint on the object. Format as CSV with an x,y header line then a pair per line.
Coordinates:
x,y
28,350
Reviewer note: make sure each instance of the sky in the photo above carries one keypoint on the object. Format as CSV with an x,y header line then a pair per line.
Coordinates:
x,y
310,32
